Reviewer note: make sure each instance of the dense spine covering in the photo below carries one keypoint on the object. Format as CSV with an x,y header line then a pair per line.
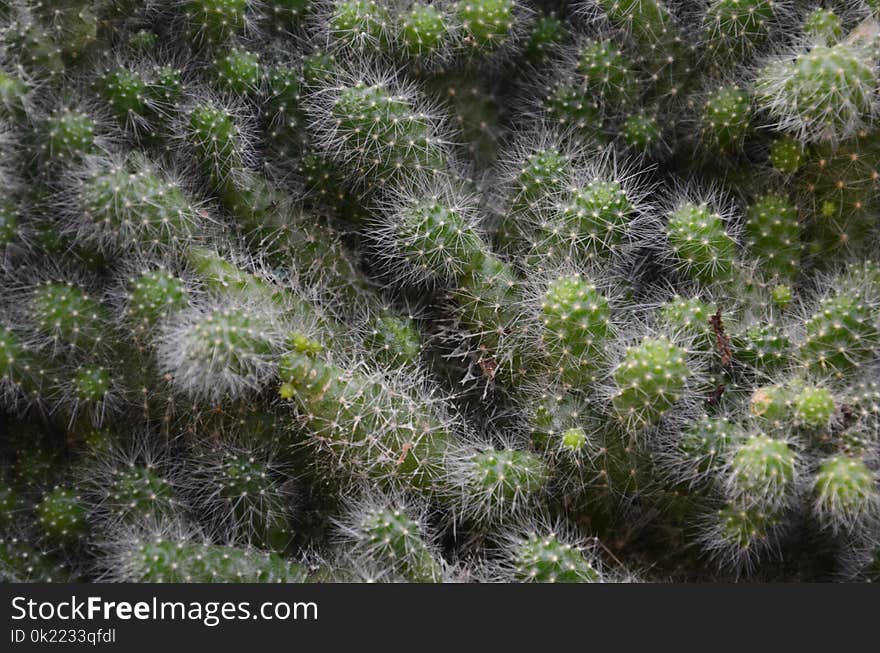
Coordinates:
x,y
422,291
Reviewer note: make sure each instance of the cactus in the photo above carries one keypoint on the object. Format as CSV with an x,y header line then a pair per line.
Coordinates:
x,y
141,100
62,516
382,130
688,318
22,563
738,536
576,324
138,493
495,483
814,406
69,315
238,72
387,535
608,73
845,491
773,234
439,291
772,403
68,135
766,348
700,243
213,351
163,554
651,378
702,451
822,94
360,24
823,25
360,420
546,558
246,491
216,139
726,118
152,297
840,335
787,154
763,472
571,108
641,131
735,29
214,21
487,25
548,35
133,205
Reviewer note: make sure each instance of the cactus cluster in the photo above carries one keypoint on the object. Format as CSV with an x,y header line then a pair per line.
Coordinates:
x,y
474,290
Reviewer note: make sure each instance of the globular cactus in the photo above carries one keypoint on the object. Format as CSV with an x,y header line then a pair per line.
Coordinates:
x,y
246,491
764,472
736,29
488,25
211,22
23,371
845,493
93,390
772,403
360,24
699,241
393,339
67,135
62,516
773,234
131,205
814,406
599,216
698,455
607,72
69,315
737,537
840,335
550,557
546,39
823,24
379,127
491,484
576,326
362,422
688,318
425,34
127,483
650,380
726,118
151,298
821,93
435,232
385,533
764,348
238,72
141,100
657,33
642,132
571,109
215,136
787,154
